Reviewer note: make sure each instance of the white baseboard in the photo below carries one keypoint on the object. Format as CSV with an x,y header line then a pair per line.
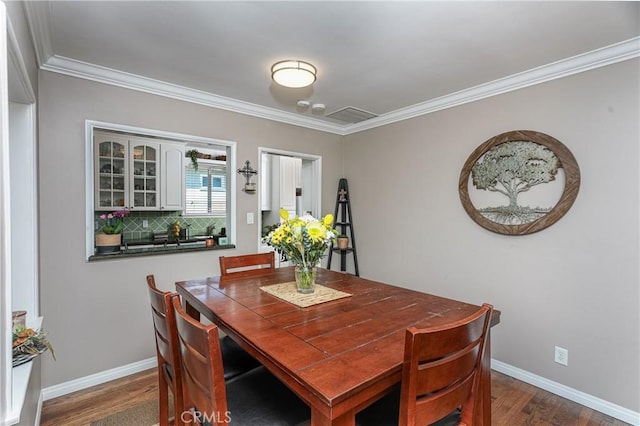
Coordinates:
x,y
571,394
39,411
97,379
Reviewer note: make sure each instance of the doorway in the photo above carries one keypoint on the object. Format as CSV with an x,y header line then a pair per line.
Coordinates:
x,y
289,180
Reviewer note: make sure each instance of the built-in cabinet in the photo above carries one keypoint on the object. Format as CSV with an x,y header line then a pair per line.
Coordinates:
x,y
172,176
137,173
282,179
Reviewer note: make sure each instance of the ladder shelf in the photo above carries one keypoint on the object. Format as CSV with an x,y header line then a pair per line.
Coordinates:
x,y
344,225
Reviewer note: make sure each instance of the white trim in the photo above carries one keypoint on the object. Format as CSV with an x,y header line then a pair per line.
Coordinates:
x,y
5,231
608,55
574,395
15,57
100,74
97,379
317,172
39,410
618,52
39,18
90,125
571,394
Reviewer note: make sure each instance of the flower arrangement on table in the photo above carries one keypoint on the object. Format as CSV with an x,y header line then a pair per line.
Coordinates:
x,y
112,223
29,343
304,242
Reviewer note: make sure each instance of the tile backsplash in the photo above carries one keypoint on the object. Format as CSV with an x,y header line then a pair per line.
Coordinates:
x,y
159,223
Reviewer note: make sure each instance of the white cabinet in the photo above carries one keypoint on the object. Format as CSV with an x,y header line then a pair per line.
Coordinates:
x,y
143,174
284,177
290,171
111,165
137,173
173,174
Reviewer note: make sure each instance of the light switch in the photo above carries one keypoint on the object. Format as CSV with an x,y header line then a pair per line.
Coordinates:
x,y
250,218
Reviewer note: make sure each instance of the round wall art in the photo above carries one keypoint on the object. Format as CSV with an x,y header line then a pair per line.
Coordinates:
x,y
519,182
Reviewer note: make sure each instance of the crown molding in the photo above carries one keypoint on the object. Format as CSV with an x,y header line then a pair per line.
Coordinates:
x,y
125,80
38,16
16,62
609,55
39,22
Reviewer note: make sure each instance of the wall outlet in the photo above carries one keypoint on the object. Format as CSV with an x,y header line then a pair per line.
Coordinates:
x,y
561,356
250,218
145,223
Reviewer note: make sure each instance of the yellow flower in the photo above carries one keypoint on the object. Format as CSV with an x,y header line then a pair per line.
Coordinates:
x,y
284,214
316,231
328,220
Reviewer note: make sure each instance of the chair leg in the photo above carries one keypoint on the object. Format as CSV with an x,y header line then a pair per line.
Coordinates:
x,y
163,390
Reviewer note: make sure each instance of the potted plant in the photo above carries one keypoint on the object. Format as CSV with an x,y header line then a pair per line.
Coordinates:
x,y
193,154
109,238
343,242
29,343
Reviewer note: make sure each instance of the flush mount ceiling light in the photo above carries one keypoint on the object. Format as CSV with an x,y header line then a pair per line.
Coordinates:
x,y
293,73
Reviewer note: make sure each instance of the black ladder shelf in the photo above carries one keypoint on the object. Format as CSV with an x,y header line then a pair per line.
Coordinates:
x,y
343,224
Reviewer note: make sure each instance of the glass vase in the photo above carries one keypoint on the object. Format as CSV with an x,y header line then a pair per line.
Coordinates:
x,y
305,278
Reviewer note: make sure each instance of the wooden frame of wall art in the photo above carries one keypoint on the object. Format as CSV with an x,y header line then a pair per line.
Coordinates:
x,y
519,182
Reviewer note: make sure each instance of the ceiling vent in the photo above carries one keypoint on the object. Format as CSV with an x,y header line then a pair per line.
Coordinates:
x,y
351,115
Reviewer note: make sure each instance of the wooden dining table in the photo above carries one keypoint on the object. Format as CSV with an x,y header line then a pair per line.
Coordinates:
x,y
339,356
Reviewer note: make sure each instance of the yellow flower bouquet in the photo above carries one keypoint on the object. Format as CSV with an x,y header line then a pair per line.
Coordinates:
x,y
304,242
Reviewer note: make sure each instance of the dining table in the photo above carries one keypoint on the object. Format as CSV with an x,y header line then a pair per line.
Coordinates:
x,y
339,353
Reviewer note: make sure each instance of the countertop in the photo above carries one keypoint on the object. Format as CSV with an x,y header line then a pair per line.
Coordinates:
x,y
149,246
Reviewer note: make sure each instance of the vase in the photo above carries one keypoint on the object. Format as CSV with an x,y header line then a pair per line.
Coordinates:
x,y
108,243
305,278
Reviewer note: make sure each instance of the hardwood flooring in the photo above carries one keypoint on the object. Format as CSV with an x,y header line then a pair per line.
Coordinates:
x,y
513,403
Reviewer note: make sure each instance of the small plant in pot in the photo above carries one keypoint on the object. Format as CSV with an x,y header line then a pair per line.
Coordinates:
x,y
343,241
193,154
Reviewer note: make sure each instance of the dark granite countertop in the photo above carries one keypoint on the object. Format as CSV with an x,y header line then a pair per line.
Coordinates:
x,y
150,247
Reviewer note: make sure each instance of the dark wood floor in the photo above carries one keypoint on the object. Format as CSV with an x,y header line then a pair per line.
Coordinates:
x,y
513,403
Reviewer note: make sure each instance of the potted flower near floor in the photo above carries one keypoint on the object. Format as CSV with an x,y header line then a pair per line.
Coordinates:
x,y
109,238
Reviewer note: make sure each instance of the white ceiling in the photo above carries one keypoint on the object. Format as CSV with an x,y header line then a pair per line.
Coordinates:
x,y
395,59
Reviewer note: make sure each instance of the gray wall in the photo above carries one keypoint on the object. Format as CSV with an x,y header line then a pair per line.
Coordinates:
x,y
574,284
97,314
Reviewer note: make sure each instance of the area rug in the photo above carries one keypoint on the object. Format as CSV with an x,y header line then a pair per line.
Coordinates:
x,y
289,293
145,414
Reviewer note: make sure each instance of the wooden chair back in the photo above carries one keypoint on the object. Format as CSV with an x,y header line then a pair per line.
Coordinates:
x,y
202,370
169,374
246,265
442,368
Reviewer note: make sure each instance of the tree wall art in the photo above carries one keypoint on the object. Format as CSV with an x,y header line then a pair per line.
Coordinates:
x,y
519,182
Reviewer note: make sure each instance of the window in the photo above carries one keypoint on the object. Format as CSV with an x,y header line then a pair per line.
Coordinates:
x,y
206,192
204,196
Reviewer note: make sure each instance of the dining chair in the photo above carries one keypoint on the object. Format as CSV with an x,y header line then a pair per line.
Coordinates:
x,y
253,398
247,264
440,376
169,373
236,360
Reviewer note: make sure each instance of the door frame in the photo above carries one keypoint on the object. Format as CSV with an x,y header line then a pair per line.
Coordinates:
x,y
316,200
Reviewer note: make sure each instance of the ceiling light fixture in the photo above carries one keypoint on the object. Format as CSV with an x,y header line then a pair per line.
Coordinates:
x,y
293,73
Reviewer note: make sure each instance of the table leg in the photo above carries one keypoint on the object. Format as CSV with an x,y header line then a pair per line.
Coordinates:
x,y
318,419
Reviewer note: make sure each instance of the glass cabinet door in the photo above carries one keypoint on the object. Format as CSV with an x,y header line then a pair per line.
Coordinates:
x,y
144,175
110,172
